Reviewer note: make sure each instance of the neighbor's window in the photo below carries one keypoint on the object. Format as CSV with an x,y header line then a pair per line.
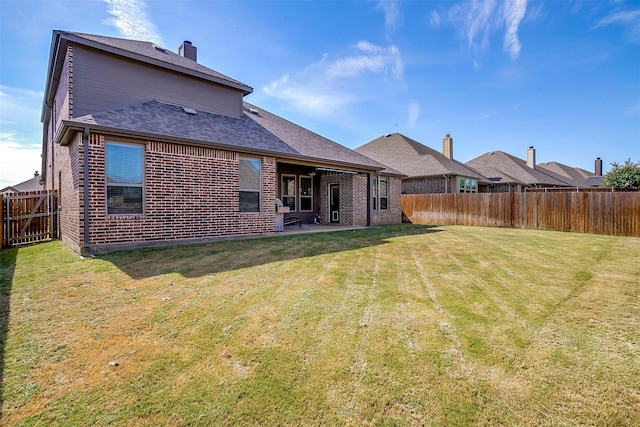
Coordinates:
x,y
468,185
306,193
124,163
383,189
249,196
288,191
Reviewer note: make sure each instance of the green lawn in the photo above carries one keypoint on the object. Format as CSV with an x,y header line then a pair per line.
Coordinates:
x,y
393,325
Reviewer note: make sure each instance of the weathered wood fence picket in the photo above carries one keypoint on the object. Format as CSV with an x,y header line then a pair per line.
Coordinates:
x,y
28,217
582,212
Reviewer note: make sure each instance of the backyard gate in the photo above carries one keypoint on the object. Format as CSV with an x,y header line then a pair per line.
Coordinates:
x,y
28,217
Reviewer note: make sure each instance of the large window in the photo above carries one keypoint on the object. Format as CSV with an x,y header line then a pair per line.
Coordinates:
x,y
249,171
306,194
288,191
124,164
467,185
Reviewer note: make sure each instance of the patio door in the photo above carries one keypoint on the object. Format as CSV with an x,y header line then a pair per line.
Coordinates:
x,y
334,203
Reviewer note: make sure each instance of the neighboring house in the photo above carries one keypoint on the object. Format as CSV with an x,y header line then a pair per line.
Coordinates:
x,y
586,178
426,170
510,173
33,184
147,147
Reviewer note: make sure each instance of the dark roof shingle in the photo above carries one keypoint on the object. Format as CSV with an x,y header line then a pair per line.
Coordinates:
x,y
263,132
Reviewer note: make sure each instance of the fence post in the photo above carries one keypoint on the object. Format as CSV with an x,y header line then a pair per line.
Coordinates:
x,y
1,221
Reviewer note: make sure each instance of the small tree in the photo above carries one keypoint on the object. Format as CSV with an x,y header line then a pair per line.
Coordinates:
x,y
623,176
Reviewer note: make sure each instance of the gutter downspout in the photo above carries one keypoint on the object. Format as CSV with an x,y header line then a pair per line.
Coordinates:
x,y
85,180
446,184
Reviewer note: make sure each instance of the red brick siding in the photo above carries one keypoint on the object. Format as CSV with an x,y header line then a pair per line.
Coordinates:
x,y
189,193
353,197
67,173
392,215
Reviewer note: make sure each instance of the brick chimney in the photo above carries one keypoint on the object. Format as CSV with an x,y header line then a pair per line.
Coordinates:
x,y
598,168
531,157
447,146
188,50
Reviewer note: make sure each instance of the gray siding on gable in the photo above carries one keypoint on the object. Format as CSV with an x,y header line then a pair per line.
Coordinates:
x,y
103,82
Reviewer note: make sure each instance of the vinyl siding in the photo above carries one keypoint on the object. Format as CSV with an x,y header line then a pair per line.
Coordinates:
x,y
104,82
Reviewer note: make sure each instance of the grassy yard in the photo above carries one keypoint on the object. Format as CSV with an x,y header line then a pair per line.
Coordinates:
x,y
394,325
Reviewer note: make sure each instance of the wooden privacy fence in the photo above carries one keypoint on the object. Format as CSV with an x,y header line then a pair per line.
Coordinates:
x,y
585,212
28,217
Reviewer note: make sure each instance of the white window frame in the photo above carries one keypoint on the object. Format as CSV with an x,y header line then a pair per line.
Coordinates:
x,y
293,196
467,185
384,180
250,190
301,196
374,194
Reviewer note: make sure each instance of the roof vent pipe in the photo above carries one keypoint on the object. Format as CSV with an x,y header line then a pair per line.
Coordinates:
x,y
447,146
598,170
531,157
188,50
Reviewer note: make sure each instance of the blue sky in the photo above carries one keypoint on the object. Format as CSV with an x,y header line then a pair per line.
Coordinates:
x,y
562,76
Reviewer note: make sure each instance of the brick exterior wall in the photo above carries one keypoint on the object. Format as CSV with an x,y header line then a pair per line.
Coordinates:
x,y
190,194
424,185
67,173
392,215
353,197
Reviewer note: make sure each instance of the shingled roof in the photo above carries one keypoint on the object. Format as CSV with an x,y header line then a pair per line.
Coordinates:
x,y
257,131
521,173
32,184
413,158
576,174
155,53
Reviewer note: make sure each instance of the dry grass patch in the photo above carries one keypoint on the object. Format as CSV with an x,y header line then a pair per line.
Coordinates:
x,y
407,325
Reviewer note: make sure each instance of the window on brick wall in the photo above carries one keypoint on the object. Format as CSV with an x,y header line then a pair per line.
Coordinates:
x,y
380,193
249,196
383,189
125,178
374,194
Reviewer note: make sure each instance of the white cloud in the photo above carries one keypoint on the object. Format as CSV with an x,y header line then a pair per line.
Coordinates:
x,y
308,96
629,19
391,13
327,87
414,112
131,19
435,19
514,11
20,134
374,59
481,18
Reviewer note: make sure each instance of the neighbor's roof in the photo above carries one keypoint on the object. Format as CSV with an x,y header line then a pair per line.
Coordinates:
x,y
517,169
258,132
413,158
496,176
576,174
143,51
32,184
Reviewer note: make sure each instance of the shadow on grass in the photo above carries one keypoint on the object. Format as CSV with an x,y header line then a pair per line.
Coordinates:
x,y
203,259
7,267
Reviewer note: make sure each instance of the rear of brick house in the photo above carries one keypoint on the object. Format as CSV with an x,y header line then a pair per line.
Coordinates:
x,y
149,147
